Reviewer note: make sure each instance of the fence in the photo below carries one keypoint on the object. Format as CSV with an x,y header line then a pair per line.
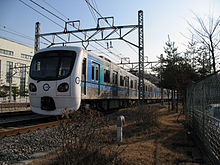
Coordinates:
x,y
203,115
21,103
18,100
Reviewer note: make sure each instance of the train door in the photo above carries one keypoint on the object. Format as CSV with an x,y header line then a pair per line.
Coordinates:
x,y
127,85
115,83
96,77
83,77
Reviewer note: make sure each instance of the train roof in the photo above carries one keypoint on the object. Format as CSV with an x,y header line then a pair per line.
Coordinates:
x,y
76,48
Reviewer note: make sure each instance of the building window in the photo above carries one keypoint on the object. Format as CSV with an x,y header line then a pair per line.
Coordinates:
x,y
7,52
22,78
26,56
8,70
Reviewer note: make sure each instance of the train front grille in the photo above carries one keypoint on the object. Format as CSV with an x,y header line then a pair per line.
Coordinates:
x,y
47,103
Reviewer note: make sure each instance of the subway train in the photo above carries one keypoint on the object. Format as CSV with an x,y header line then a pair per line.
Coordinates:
x,y
63,78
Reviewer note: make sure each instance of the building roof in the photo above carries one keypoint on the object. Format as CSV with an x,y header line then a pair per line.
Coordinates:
x,y
16,42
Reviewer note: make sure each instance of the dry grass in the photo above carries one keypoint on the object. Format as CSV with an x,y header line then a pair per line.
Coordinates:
x,y
152,135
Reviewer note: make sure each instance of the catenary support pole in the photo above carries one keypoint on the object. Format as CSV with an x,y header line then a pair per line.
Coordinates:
x,y
141,54
37,37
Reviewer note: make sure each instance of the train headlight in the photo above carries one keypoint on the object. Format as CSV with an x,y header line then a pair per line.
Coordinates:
x,y
64,87
32,87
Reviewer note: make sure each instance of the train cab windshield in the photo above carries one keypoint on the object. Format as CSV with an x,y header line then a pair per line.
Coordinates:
x,y
52,65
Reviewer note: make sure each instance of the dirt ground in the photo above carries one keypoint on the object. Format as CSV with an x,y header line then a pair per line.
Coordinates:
x,y
166,143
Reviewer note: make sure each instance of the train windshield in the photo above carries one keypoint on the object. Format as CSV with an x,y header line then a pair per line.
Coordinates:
x,y
52,65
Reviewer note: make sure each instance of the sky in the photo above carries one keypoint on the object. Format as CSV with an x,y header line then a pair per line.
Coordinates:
x,y
161,18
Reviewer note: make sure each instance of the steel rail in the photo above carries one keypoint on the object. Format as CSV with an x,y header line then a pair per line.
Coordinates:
x,y
16,131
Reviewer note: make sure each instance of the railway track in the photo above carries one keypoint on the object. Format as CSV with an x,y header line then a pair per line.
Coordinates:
x,y
20,122
13,123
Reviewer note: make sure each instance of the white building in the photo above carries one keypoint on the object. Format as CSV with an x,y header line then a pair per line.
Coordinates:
x,y
16,56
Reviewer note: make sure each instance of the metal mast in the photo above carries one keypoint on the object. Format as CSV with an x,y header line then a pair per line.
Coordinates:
x,y
141,54
37,37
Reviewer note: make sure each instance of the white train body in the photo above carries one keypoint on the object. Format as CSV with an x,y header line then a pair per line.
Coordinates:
x,y
62,78
47,94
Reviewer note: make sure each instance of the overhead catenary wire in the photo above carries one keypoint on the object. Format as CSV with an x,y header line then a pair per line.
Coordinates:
x,y
107,22
96,18
82,32
11,31
95,8
55,9
46,17
3,28
65,22
40,13
63,27
92,13
47,10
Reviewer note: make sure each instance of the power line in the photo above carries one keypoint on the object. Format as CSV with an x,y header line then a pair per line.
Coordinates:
x,y
95,4
47,10
92,13
17,33
40,13
96,18
57,23
3,28
62,20
107,22
55,9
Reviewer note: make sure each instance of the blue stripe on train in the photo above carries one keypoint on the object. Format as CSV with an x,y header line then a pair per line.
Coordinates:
x,y
106,87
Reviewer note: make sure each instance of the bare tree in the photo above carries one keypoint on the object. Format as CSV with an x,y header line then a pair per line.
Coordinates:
x,y
207,32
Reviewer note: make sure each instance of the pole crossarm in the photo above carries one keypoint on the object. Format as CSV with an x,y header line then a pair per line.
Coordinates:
x,y
135,65
93,34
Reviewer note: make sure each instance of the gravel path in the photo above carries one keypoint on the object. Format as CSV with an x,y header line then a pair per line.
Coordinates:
x,y
21,147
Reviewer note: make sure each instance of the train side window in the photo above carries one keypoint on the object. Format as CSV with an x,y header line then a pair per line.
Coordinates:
x,y
84,69
84,75
146,88
114,77
131,83
106,76
121,81
126,81
93,71
97,74
135,84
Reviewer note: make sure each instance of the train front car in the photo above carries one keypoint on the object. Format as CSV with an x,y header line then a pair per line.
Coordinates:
x,y
54,80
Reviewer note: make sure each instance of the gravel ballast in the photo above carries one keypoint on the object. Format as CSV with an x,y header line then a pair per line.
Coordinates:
x,y
21,147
